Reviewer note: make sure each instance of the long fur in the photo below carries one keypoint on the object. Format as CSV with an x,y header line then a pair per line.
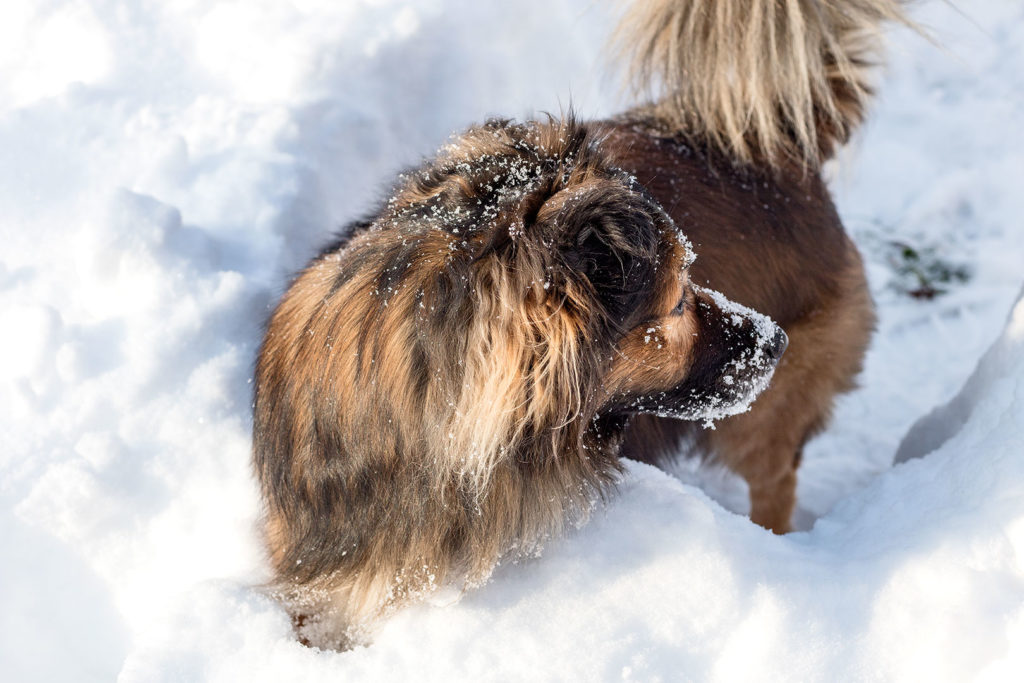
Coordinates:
x,y
452,382
448,386
767,81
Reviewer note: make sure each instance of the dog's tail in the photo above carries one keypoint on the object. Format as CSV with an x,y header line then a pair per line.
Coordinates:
x,y
763,80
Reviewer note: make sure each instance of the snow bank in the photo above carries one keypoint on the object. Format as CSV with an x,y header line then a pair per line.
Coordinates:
x,y
167,165
1003,362
919,576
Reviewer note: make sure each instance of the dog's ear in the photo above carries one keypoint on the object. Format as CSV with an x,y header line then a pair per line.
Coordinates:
x,y
611,244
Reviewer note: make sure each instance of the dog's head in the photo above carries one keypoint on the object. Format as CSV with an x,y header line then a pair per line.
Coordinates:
x,y
514,290
568,254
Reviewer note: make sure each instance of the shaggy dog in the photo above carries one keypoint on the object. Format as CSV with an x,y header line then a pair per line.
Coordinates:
x,y
453,381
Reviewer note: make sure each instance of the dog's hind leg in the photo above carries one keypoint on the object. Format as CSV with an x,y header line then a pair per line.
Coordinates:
x,y
764,445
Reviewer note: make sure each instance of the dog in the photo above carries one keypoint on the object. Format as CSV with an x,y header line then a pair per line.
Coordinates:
x,y
454,380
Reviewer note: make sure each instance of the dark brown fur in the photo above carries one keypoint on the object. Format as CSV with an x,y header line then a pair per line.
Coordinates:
x,y
773,242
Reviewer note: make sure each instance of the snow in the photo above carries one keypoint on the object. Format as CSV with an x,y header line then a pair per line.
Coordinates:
x,y
1003,360
167,165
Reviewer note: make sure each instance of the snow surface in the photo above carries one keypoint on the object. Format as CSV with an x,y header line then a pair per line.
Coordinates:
x,y
166,165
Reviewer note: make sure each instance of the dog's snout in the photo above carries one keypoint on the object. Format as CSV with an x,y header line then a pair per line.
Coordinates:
x,y
779,344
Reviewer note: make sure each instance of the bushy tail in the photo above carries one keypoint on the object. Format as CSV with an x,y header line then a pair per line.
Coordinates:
x,y
764,80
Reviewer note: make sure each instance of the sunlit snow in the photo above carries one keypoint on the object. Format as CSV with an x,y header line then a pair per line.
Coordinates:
x,y
166,168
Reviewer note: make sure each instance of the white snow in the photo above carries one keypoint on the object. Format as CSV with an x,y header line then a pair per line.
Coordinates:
x,y
167,165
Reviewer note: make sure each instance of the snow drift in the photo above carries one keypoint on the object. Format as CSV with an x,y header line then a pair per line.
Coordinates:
x,y
167,166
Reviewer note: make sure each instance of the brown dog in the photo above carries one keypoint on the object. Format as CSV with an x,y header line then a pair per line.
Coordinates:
x,y
450,383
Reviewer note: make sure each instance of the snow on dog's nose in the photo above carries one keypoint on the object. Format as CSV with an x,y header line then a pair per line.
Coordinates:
x,y
732,359
737,359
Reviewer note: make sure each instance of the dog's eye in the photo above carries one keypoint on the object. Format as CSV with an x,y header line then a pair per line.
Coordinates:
x,y
685,300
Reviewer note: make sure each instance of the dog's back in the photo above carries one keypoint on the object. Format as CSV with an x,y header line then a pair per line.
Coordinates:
x,y
770,240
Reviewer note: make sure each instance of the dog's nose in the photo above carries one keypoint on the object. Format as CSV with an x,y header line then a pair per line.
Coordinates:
x,y
779,344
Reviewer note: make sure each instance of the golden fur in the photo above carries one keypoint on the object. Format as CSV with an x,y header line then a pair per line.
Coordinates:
x,y
449,386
